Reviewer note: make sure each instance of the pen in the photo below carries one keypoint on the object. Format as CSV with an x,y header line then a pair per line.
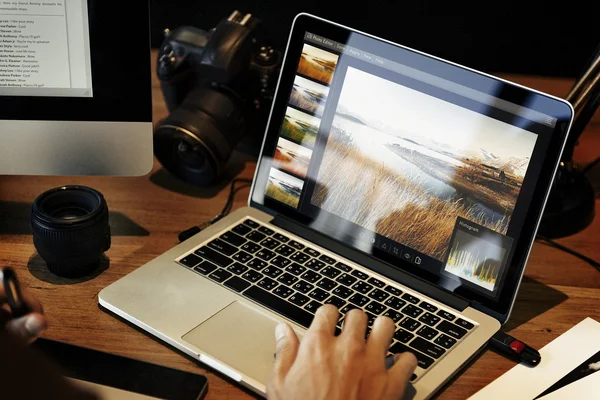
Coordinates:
x,y
15,301
515,349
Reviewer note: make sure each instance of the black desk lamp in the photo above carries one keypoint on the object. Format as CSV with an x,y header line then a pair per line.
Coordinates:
x,y
570,207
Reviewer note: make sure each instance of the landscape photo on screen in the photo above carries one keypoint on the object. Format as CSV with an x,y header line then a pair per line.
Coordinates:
x,y
300,127
308,95
291,157
317,64
284,187
405,164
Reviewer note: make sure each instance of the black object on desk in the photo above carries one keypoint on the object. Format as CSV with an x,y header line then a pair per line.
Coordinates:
x,y
515,349
16,303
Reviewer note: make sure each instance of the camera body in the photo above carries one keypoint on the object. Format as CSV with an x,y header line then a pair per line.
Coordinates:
x,y
218,87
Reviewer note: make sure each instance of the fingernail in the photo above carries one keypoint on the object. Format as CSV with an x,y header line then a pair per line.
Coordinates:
x,y
280,331
34,326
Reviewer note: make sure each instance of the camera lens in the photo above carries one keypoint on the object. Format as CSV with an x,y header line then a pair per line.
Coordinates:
x,y
195,142
70,229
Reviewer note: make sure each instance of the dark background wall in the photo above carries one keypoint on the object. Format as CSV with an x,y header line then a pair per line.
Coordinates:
x,y
502,39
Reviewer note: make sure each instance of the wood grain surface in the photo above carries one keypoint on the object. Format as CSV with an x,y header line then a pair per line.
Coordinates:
x,y
148,212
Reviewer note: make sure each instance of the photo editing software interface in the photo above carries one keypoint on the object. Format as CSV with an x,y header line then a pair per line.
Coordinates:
x,y
403,164
45,48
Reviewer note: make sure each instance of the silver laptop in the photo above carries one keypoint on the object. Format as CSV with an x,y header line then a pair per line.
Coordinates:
x,y
389,180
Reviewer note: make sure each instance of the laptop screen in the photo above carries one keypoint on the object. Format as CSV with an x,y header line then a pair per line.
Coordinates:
x,y
403,157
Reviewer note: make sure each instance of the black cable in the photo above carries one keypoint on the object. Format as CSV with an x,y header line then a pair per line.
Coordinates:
x,y
188,233
559,246
590,166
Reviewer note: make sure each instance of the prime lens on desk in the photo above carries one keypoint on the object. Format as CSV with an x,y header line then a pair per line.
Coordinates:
x,y
70,229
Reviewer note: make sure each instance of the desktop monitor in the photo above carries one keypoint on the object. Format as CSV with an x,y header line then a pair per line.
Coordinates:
x,y
75,88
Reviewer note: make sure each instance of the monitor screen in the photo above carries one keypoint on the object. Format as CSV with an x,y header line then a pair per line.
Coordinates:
x,y
45,49
413,160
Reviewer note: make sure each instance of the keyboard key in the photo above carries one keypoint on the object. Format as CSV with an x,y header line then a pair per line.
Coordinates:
x,y
233,238
409,324
214,256
403,336
451,330
362,287
371,319
311,252
315,265
280,237
429,319
445,341
446,315
412,311
270,243
331,272
299,299
237,284
266,231
265,254
428,307
318,294
272,271
267,283
347,308
242,256
346,279
313,306
285,250
375,307
295,268
252,275
255,236
311,276
326,284
379,295
343,267
342,291
336,301
427,347
358,299
280,262
241,229
360,275
287,279
296,245
191,260
219,275
427,332
303,287
205,268
283,307
393,290
299,257
327,259
423,360
376,282
257,264
223,247
410,298
465,324
394,315
283,291
251,224
251,247
237,268
395,303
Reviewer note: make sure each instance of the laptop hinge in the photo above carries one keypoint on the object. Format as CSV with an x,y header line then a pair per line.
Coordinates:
x,y
381,267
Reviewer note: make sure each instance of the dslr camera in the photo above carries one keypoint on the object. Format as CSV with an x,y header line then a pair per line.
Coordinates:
x,y
219,87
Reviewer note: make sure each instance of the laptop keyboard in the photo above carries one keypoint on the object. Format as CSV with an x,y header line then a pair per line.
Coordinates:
x,y
294,279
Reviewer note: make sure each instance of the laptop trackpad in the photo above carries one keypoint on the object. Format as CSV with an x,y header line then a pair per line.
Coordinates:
x,y
239,336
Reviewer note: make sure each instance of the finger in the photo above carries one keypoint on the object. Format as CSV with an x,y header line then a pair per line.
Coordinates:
x,y
287,349
32,303
355,325
380,338
28,327
399,375
325,319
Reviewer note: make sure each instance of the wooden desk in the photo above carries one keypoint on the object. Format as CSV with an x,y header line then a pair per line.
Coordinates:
x,y
147,214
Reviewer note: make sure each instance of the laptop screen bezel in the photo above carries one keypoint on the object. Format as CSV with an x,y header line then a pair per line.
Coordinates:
x,y
510,92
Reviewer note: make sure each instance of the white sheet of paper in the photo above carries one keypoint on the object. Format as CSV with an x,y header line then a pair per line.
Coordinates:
x,y
585,388
559,357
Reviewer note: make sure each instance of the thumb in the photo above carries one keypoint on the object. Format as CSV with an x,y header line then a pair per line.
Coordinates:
x,y
287,348
28,327
399,375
